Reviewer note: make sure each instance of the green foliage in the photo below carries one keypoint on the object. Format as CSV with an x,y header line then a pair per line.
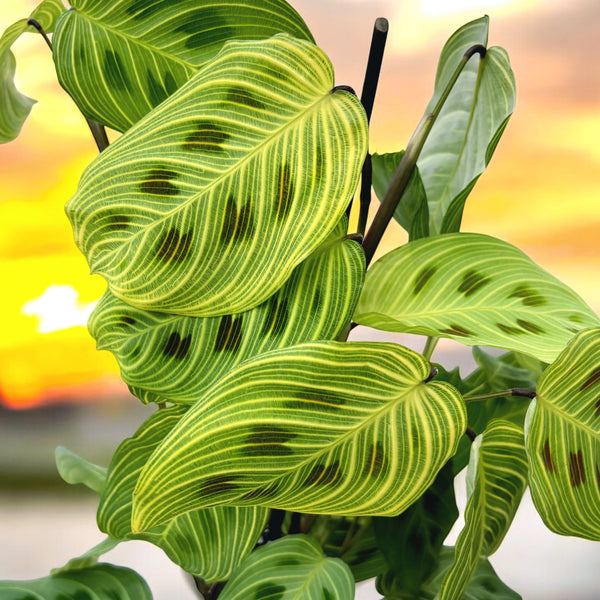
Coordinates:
x,y
563,436
217,220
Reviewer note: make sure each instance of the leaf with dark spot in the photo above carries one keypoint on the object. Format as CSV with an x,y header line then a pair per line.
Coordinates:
x,y
217,485
125,320
240,95
285,192
118,222
115,73
423,278
576,468
172,247
509,330
472,281
528,296
327,595
229,335
376,461
159,183
206,137
323,475
591,380
547,456
261,493
531,327
311,399
176,347
269,590
457,330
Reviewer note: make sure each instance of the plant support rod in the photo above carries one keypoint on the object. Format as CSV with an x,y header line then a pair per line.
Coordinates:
x,y
402,175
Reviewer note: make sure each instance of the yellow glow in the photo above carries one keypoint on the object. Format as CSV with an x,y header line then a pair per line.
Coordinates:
x,y
432,8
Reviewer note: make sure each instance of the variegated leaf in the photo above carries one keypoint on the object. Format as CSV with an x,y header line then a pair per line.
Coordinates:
x,y
468,128
100,582
496,480
206,205
475,289
207,543
322,427
292,568
177,358
563,440
73,469
120,59
14,106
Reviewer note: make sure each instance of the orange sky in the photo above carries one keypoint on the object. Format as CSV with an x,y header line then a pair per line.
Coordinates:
x,y
542,191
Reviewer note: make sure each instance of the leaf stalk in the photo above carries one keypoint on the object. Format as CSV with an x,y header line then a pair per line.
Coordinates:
x,y
522,392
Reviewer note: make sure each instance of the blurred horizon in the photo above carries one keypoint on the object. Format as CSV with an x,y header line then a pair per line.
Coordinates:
x,y
541,192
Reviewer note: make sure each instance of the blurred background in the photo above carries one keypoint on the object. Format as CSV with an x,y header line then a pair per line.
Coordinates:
x,y
541,193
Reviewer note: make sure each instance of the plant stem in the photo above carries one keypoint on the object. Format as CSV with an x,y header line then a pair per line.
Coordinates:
x,y
350,542
275,523
510,392
98,131
402,175
367,98
307,523
471,434
430,345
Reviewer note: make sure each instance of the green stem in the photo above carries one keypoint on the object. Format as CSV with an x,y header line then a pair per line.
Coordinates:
x,y
430,345
510,392
402,175
349,543
471,434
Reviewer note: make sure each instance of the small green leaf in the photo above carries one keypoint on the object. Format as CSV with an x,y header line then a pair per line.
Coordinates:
x,y
14,106
321,427
207,205
496,480
291,568
74,469
132,54
563,440
315,303
412,212
467,130
475,289
100,582
484,583
206,543
412,541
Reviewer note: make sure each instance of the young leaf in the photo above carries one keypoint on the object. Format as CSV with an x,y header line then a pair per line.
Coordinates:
x,y
322,427
563,436
14,106
207,205
496,480
178,358
100,582
474,289
466,132
208,543
74,469
288,569
484,583
412,541
132,55
412,212
89,558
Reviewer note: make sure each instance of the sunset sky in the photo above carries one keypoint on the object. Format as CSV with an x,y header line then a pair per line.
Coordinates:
x,y
541,192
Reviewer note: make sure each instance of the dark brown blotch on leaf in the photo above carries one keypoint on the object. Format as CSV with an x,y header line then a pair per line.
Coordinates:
x,y
592,379
177,347
323,475
285,192
423,278
472,281
174,247
229,335
576,468
457,330
206,137
159,183
547,457
528,295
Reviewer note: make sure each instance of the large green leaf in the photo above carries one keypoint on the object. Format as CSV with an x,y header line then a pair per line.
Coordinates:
x,y
176,357
14,106
484,583
474,289
412,541
206,205
122,58
100,582
208,543
292,568
563,440
496,480
322,427
466,132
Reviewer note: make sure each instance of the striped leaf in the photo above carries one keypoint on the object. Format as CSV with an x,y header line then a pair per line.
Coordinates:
x,y
322,427
474,289
291,568
120,59
468,128
178,358
563,440
496,480
207,204
100,582
14,106
484,583
73,469
208,543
